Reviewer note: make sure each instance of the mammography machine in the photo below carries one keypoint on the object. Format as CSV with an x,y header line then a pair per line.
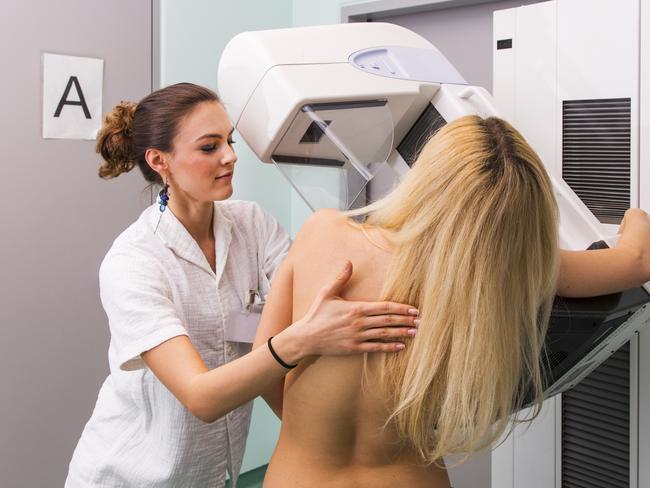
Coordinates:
x,y
343,110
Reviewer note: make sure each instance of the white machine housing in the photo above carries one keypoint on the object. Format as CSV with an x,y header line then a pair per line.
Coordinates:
x,y
265,78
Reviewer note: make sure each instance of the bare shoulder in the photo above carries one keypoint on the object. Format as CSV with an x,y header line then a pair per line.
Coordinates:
x,y
321,230
322,223
326,216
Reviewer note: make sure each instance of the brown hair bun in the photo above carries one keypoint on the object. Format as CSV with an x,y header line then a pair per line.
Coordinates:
x,y
115,141
131,129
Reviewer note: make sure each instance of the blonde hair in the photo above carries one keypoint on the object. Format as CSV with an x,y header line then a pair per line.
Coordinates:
x,y
474,226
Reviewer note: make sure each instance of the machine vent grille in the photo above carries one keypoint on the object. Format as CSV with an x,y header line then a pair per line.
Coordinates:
x,y
596,427
427,124
596,154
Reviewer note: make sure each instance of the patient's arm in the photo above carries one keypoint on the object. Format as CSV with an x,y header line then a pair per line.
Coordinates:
x,y
277,316
599,272
603,271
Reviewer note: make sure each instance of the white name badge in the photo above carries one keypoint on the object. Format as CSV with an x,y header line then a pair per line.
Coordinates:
x,y
241,326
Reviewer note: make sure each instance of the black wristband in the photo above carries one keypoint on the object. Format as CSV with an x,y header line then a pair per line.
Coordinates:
x,y
278,358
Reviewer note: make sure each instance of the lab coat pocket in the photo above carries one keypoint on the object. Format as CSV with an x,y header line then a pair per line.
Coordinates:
x,y
241,326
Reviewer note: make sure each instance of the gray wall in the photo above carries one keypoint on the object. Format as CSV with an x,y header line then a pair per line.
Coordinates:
x,y
57,220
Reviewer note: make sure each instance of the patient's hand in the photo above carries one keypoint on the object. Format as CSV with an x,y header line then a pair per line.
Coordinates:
x,y
604,271
635,238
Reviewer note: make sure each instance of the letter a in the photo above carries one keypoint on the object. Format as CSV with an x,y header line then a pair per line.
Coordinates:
x,y
64,99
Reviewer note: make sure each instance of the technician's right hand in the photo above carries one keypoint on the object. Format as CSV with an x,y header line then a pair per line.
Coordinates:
x,y
333,326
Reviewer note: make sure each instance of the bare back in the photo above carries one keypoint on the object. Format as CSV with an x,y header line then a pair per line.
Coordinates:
x,y
332,425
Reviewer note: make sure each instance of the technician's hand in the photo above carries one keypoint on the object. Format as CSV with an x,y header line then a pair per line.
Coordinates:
x,y
635,236
333,326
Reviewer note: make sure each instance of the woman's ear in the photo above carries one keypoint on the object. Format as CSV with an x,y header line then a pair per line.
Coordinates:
x,y
157,160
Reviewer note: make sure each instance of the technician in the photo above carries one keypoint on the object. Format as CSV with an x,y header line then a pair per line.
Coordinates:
x,y
182,288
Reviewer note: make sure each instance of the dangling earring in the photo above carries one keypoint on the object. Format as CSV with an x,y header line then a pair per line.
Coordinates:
x,y
163,196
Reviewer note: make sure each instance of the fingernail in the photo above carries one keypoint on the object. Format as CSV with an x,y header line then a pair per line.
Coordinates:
x,y
412,332
399,347
413,311
416,321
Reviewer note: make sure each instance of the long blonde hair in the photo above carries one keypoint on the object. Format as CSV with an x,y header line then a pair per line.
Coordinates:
x,y
474,226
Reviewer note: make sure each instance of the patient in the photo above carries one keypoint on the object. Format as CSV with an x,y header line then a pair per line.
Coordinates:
x,y
470,236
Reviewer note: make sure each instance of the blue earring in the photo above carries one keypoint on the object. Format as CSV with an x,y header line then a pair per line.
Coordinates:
x,y
163,196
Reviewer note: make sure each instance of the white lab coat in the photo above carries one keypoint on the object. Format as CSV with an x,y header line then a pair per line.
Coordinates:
x,y
154,287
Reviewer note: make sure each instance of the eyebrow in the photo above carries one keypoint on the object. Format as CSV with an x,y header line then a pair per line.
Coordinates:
x,y
218,136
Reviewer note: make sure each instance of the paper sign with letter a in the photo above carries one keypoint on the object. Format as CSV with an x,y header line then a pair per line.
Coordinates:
x,y
72,96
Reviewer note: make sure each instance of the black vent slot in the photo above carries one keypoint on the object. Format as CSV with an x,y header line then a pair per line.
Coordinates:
x,y
596,154
596,427
427,124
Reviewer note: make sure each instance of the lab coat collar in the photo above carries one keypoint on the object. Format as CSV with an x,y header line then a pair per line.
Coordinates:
x,y
176,237
222,228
